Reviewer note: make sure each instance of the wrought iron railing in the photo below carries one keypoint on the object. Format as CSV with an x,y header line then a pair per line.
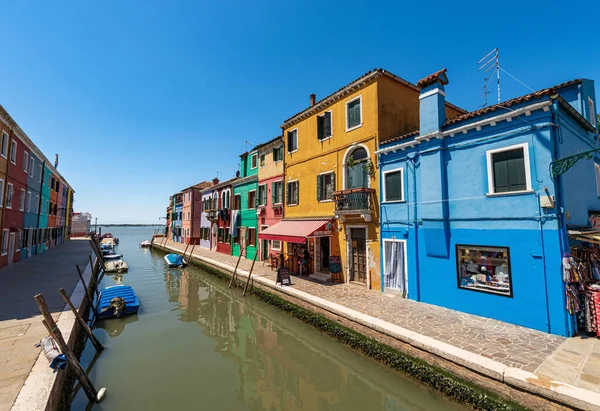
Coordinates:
x,y
353,201
211,214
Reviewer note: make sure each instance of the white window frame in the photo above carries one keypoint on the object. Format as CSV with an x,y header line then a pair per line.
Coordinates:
x,y
9,206
226,194
22,199
4,143
331,116
383,200
490,172
293,181
279,148
255,200
1,193
266,195
41,172
592,111
361,114
37,201
282,196
597,172
13,143
26,162
31,167
291,131
329,200
254,158
28,201
5,234
273,248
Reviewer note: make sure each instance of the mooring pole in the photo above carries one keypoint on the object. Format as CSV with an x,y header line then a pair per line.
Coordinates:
x,y
235,270
54,331
250,274
97,345
87,292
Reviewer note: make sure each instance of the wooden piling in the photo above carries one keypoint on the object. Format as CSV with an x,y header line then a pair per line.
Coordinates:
x,y
250,274
191,252
235,270
97,345
186,247
54,331
87,291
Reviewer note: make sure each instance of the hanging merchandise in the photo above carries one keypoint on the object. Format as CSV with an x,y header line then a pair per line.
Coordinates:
x,y
581,272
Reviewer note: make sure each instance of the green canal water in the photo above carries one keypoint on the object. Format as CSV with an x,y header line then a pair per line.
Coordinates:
x,y
197,345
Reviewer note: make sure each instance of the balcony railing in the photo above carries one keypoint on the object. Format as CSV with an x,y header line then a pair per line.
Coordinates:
x,y
354,201
211,214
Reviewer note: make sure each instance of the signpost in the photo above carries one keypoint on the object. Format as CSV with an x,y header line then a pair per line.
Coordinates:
x,y
283,277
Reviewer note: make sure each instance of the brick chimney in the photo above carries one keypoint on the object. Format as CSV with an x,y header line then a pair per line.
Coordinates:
x,y
313,99
215,181
432,107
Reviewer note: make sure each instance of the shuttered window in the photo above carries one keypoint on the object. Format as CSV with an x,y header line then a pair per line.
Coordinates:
x,y
278,153
292,141
325,186
262,195
292,195
393,190
277,192
353,113
324,126
508,168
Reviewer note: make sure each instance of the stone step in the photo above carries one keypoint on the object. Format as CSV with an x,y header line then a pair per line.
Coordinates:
x,y
320,278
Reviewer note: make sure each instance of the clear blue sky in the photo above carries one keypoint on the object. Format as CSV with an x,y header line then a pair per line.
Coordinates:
x,y
141,99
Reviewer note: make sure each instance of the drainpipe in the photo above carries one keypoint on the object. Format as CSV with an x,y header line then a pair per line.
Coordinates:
x,y
415,163
540,224
558,190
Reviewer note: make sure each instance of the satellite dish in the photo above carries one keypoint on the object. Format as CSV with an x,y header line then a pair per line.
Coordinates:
x,y
237,173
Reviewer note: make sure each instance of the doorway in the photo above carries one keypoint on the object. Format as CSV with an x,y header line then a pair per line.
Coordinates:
x,y
394,266
264,250
243,241
358,264
214,238
325,252
11,248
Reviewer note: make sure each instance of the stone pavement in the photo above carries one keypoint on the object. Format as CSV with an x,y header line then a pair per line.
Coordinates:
x,y
508,344
20,320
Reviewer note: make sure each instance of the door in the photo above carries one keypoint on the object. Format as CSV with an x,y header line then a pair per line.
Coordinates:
x,y
214,237
264,250
29,241
324,253
358,266
243,241
394,266
11,248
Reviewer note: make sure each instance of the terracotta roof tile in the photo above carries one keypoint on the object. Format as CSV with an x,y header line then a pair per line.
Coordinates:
x,y
438,76
399,137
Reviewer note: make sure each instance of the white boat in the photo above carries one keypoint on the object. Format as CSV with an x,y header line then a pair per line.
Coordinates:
x,y
146,244
110,257
108,242
175,260
116,266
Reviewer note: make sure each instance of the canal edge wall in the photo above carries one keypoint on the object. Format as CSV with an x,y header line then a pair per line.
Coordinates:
x,y
44,389
511,384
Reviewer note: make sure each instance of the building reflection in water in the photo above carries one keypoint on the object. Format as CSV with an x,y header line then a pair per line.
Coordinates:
x,y
277,368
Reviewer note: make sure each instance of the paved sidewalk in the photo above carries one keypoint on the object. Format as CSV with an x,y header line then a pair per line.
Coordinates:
x,y
20,321
574,361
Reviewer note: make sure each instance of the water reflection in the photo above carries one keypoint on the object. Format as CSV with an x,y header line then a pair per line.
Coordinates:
x,y
277,369
115,326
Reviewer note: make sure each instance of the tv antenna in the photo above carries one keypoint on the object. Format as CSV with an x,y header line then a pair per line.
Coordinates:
x,y
219,172
491,60
248,144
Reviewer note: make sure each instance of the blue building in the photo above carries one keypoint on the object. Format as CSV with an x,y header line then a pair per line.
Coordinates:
x,y
32,205
473,219
177,217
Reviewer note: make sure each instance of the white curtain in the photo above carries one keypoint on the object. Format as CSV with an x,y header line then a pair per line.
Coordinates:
x,y
395,275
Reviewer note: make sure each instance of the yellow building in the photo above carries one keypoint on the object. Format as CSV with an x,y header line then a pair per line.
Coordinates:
x,y
331,178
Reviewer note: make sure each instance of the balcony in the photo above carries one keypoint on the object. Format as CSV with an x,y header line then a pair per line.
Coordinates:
x,y
211,215
355,201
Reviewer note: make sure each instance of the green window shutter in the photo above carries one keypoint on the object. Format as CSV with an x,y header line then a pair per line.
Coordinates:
x,y
287,195
327,124
318,188
273,198
275,155
290,141
297,193
332,183
509,171
320,127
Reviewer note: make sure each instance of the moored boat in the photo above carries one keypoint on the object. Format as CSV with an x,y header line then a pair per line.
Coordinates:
x,y
117,301
116,266
145,244
175,260
113,256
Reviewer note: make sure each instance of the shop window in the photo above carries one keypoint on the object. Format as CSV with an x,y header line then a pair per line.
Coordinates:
x,y
508,169
292,141
251,236
262,195
275,245
354,113
252,199
393,187
324,126
292,193
485,269
325,186
277,192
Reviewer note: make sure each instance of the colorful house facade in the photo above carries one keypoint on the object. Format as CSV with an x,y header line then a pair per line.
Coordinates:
x,y
32,205
331,185
176,221
270,193
475,215
191,212
217,202
45,206
243,214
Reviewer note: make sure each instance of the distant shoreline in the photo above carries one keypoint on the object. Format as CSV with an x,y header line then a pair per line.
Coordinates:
x,y
129,225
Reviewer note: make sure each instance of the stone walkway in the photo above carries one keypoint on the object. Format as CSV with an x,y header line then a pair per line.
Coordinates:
x,y
20,320
508,344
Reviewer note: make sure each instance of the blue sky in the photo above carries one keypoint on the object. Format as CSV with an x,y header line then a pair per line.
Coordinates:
x,y
141,99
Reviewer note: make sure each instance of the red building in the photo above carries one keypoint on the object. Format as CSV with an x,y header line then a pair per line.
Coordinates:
x,y
16,187
217,210
191,211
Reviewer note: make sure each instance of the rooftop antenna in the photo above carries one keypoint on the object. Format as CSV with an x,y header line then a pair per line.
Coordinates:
x,y
219,172
491,60
248,144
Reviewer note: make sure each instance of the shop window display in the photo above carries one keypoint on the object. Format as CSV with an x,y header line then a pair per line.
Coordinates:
x,y
485,269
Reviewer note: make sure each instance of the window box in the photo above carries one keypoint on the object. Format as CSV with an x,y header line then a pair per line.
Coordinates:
x,y
484,269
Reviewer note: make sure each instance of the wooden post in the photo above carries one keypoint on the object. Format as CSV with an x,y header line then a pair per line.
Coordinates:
x,y
84,380
235,270
186,247
97,345
250,273
191,252
87,292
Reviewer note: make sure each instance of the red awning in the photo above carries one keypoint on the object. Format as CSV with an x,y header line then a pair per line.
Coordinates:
x,y
295,231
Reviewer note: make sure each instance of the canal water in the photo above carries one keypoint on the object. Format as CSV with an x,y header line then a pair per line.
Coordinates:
x,y
197,345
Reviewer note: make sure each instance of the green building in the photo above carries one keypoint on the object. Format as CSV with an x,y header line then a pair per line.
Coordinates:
x,y
244,218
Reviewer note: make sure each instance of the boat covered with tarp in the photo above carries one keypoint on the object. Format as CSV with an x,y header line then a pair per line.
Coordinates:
x,y
116,266
175,260
117,301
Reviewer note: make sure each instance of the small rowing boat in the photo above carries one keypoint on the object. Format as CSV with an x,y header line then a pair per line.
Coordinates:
x,y
116,301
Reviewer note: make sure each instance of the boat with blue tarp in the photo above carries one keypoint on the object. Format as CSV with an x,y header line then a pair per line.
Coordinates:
x,y
175,260
109,257
117,301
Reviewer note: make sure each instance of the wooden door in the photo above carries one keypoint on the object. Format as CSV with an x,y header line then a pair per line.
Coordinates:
x,y
358,268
